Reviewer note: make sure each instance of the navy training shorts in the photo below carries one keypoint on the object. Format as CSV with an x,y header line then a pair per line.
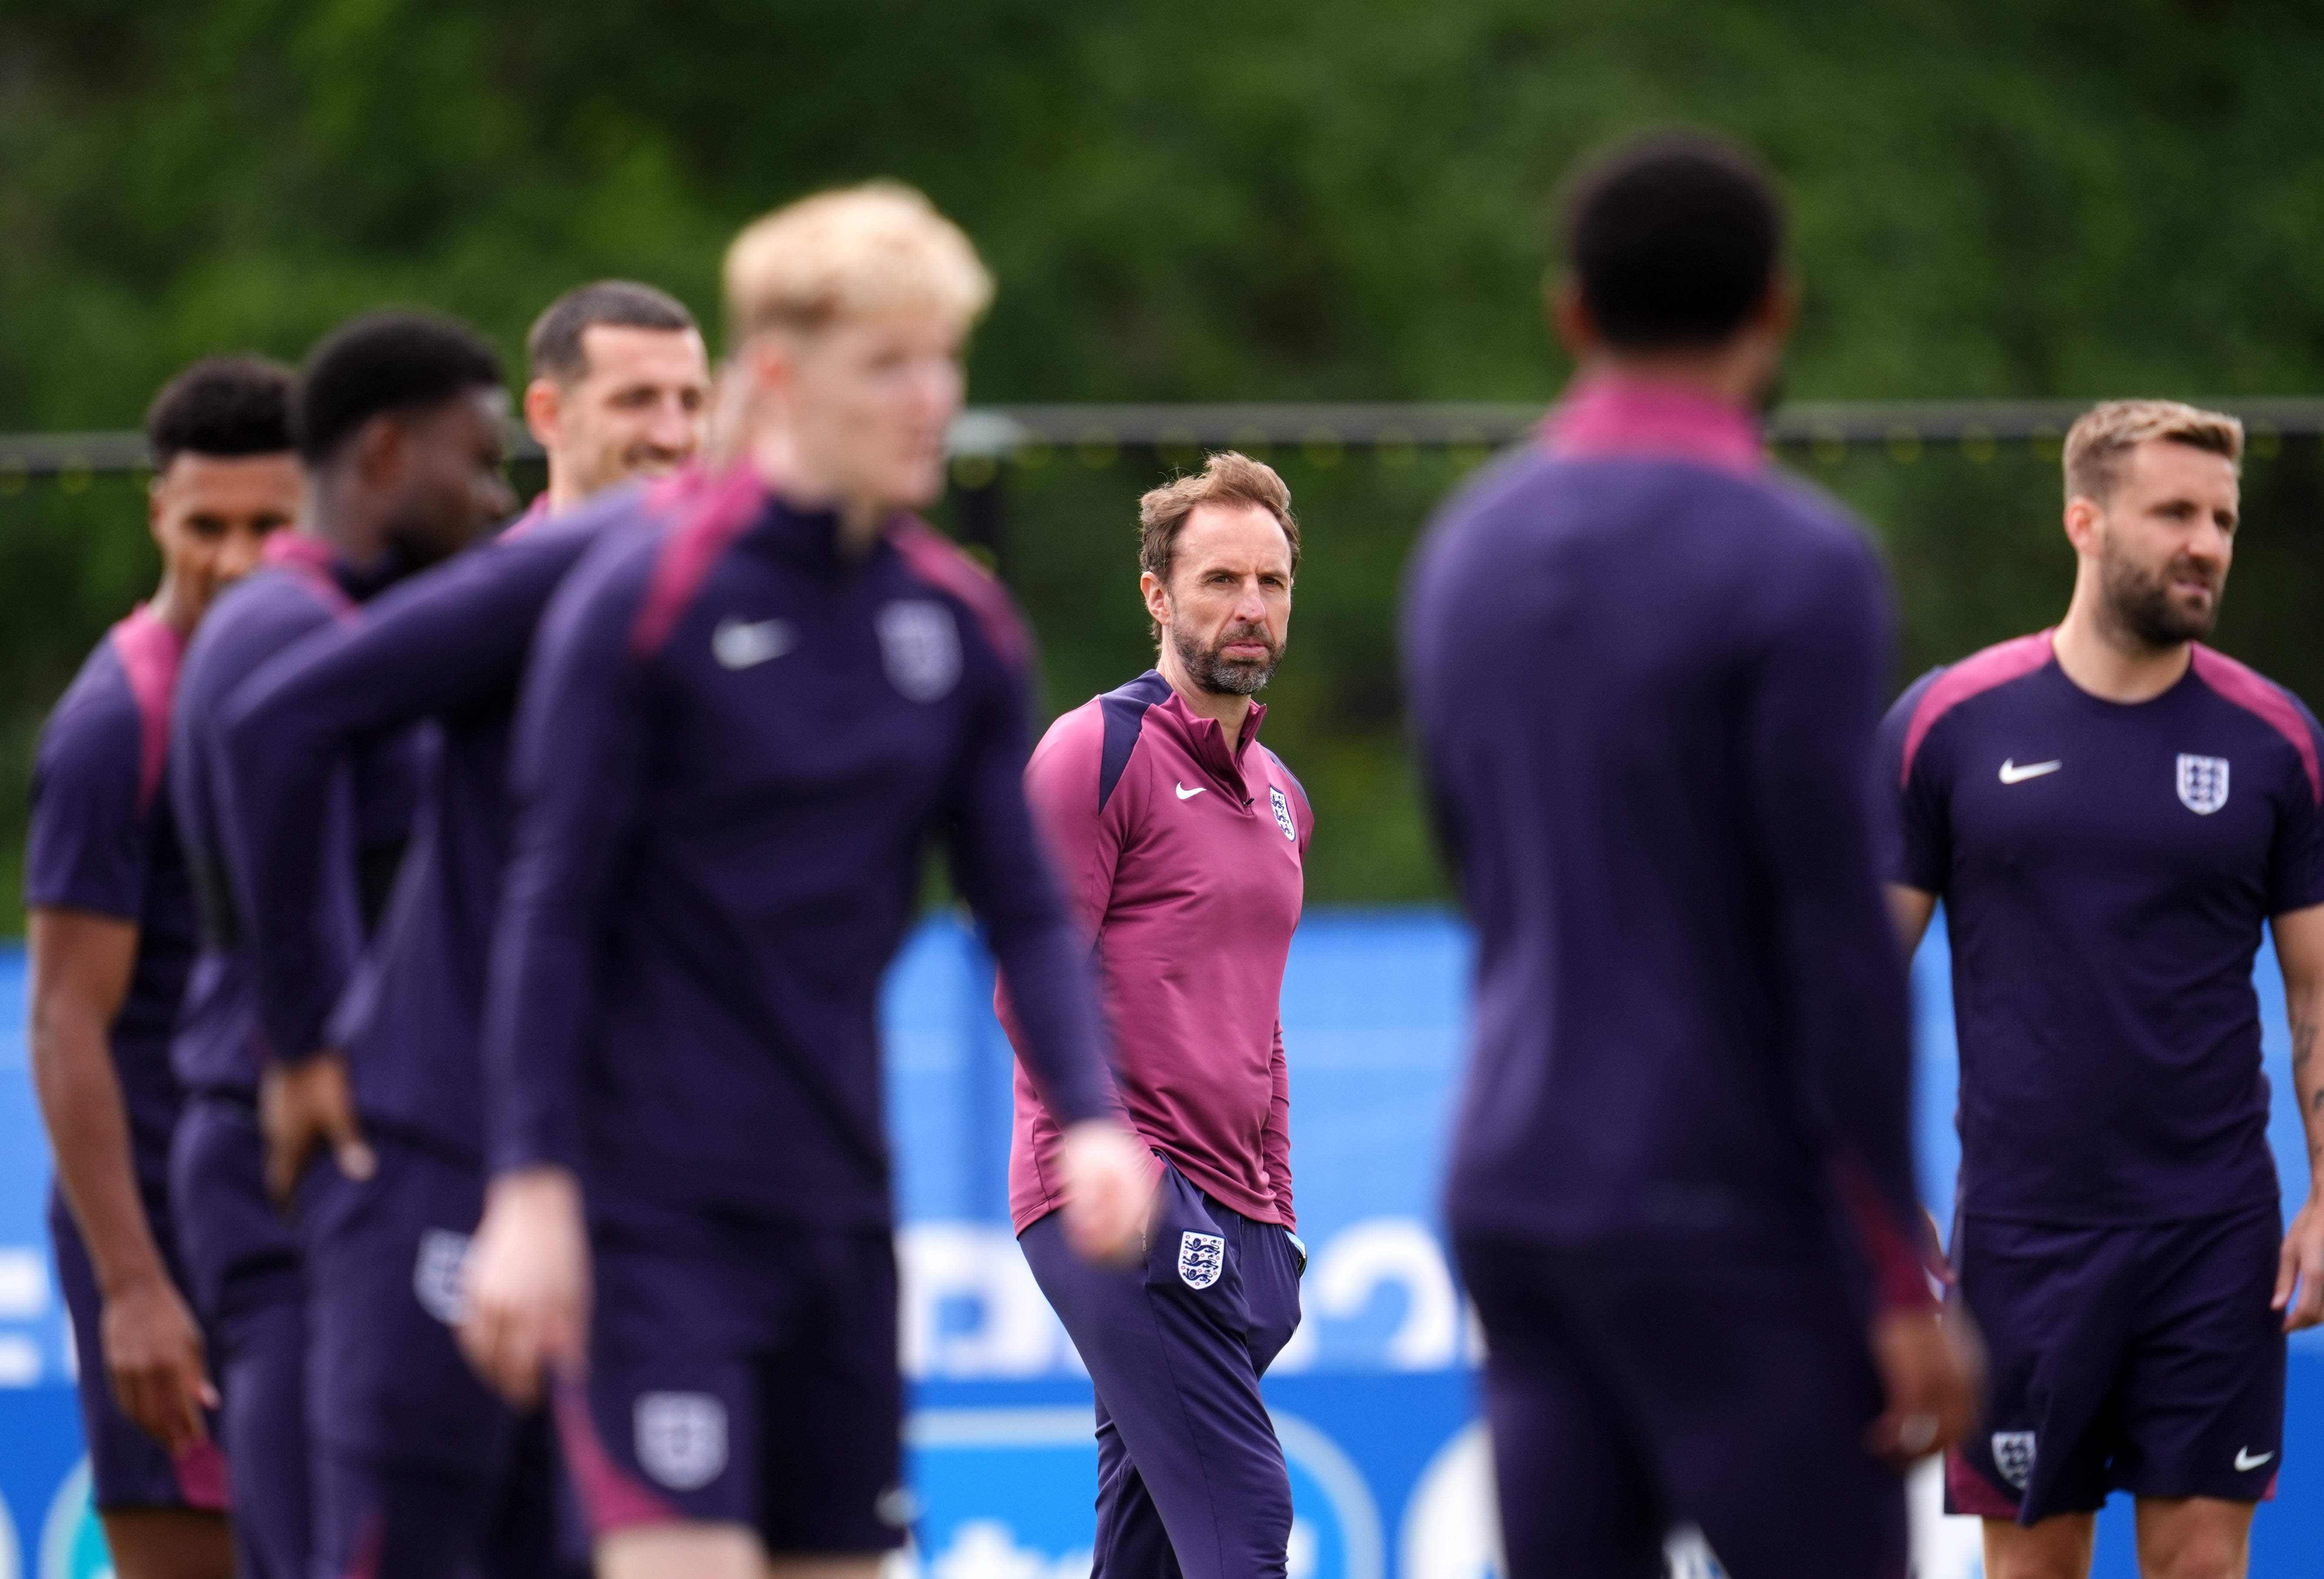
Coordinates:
x,y
2143,1360
422,1470
741,1371
126,1468
1633,1390
247,1278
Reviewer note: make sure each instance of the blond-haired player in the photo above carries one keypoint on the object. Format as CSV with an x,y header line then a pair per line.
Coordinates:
x,y
738,731
2112,812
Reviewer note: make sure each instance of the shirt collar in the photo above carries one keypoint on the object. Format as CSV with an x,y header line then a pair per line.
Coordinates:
x,y
1605,415
1209,739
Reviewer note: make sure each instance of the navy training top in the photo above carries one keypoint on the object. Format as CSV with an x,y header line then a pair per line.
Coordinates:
x,y
101,840
1645,677
734,742
2106,870
448,645
220,1046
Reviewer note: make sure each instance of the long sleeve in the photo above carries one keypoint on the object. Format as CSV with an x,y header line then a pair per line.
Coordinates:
x,y
1274,1139
443,643
1812,710
578,772
1000,866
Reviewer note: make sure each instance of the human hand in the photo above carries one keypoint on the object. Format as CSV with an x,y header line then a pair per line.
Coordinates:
x,y
301,1106
2300,1270
1931,1368
155,1363
1108,1177
526,1285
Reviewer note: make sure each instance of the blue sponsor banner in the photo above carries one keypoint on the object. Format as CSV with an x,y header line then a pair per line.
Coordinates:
x,y
1374,1401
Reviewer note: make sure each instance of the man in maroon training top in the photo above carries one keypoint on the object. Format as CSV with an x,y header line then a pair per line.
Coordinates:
x,y
1179,841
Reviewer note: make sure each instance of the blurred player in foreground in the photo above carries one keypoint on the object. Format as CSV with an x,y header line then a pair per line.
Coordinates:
x,y
399,427
735,735
2112,812
112,935
1181,841
422,1471
1646,675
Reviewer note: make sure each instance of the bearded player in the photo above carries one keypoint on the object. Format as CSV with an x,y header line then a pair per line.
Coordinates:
x,y
738,731
2113,813
110,919
1182,840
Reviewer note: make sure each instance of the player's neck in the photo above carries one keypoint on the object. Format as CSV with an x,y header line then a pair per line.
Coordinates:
x,y
565,487
791,473
2110,663
1228,711
1737,374
336,512
175,607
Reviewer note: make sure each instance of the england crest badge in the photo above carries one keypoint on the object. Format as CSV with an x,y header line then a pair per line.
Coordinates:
x,y
681,1438
2012,1455
1282,813
920,646
2202,783
1201,1258
438,1277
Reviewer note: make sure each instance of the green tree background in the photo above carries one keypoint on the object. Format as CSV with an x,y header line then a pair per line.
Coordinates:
x,y
1196,201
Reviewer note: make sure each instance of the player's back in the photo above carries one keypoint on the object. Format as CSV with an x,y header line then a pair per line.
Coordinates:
x,y
1645,682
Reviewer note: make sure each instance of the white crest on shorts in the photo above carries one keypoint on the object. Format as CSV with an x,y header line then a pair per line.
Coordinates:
x,y
2202,783
441,1275
681,1438
2012,1455
921,646
1202,1257
1283,814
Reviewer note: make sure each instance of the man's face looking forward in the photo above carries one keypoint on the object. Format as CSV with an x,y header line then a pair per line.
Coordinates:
x,y
212,513
1226,609
637,409
2163,537
869,402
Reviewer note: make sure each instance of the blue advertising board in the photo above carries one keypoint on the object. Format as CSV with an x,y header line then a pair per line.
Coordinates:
x,y
1374,1401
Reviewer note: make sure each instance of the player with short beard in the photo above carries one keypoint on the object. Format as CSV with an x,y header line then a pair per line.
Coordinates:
x,y
111,928
1182,841
2113,813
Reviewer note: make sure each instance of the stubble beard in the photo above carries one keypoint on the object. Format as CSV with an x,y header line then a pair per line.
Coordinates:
x,y
2144,607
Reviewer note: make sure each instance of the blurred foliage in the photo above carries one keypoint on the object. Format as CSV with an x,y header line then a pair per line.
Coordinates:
x,y
1196,200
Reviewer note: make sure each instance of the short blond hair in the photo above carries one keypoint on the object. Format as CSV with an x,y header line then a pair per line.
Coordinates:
x,y
2107,432
878,247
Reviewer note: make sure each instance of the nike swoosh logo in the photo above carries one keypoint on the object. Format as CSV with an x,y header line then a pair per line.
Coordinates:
x,y
2245,1461
746,645
2011,773
1186,794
